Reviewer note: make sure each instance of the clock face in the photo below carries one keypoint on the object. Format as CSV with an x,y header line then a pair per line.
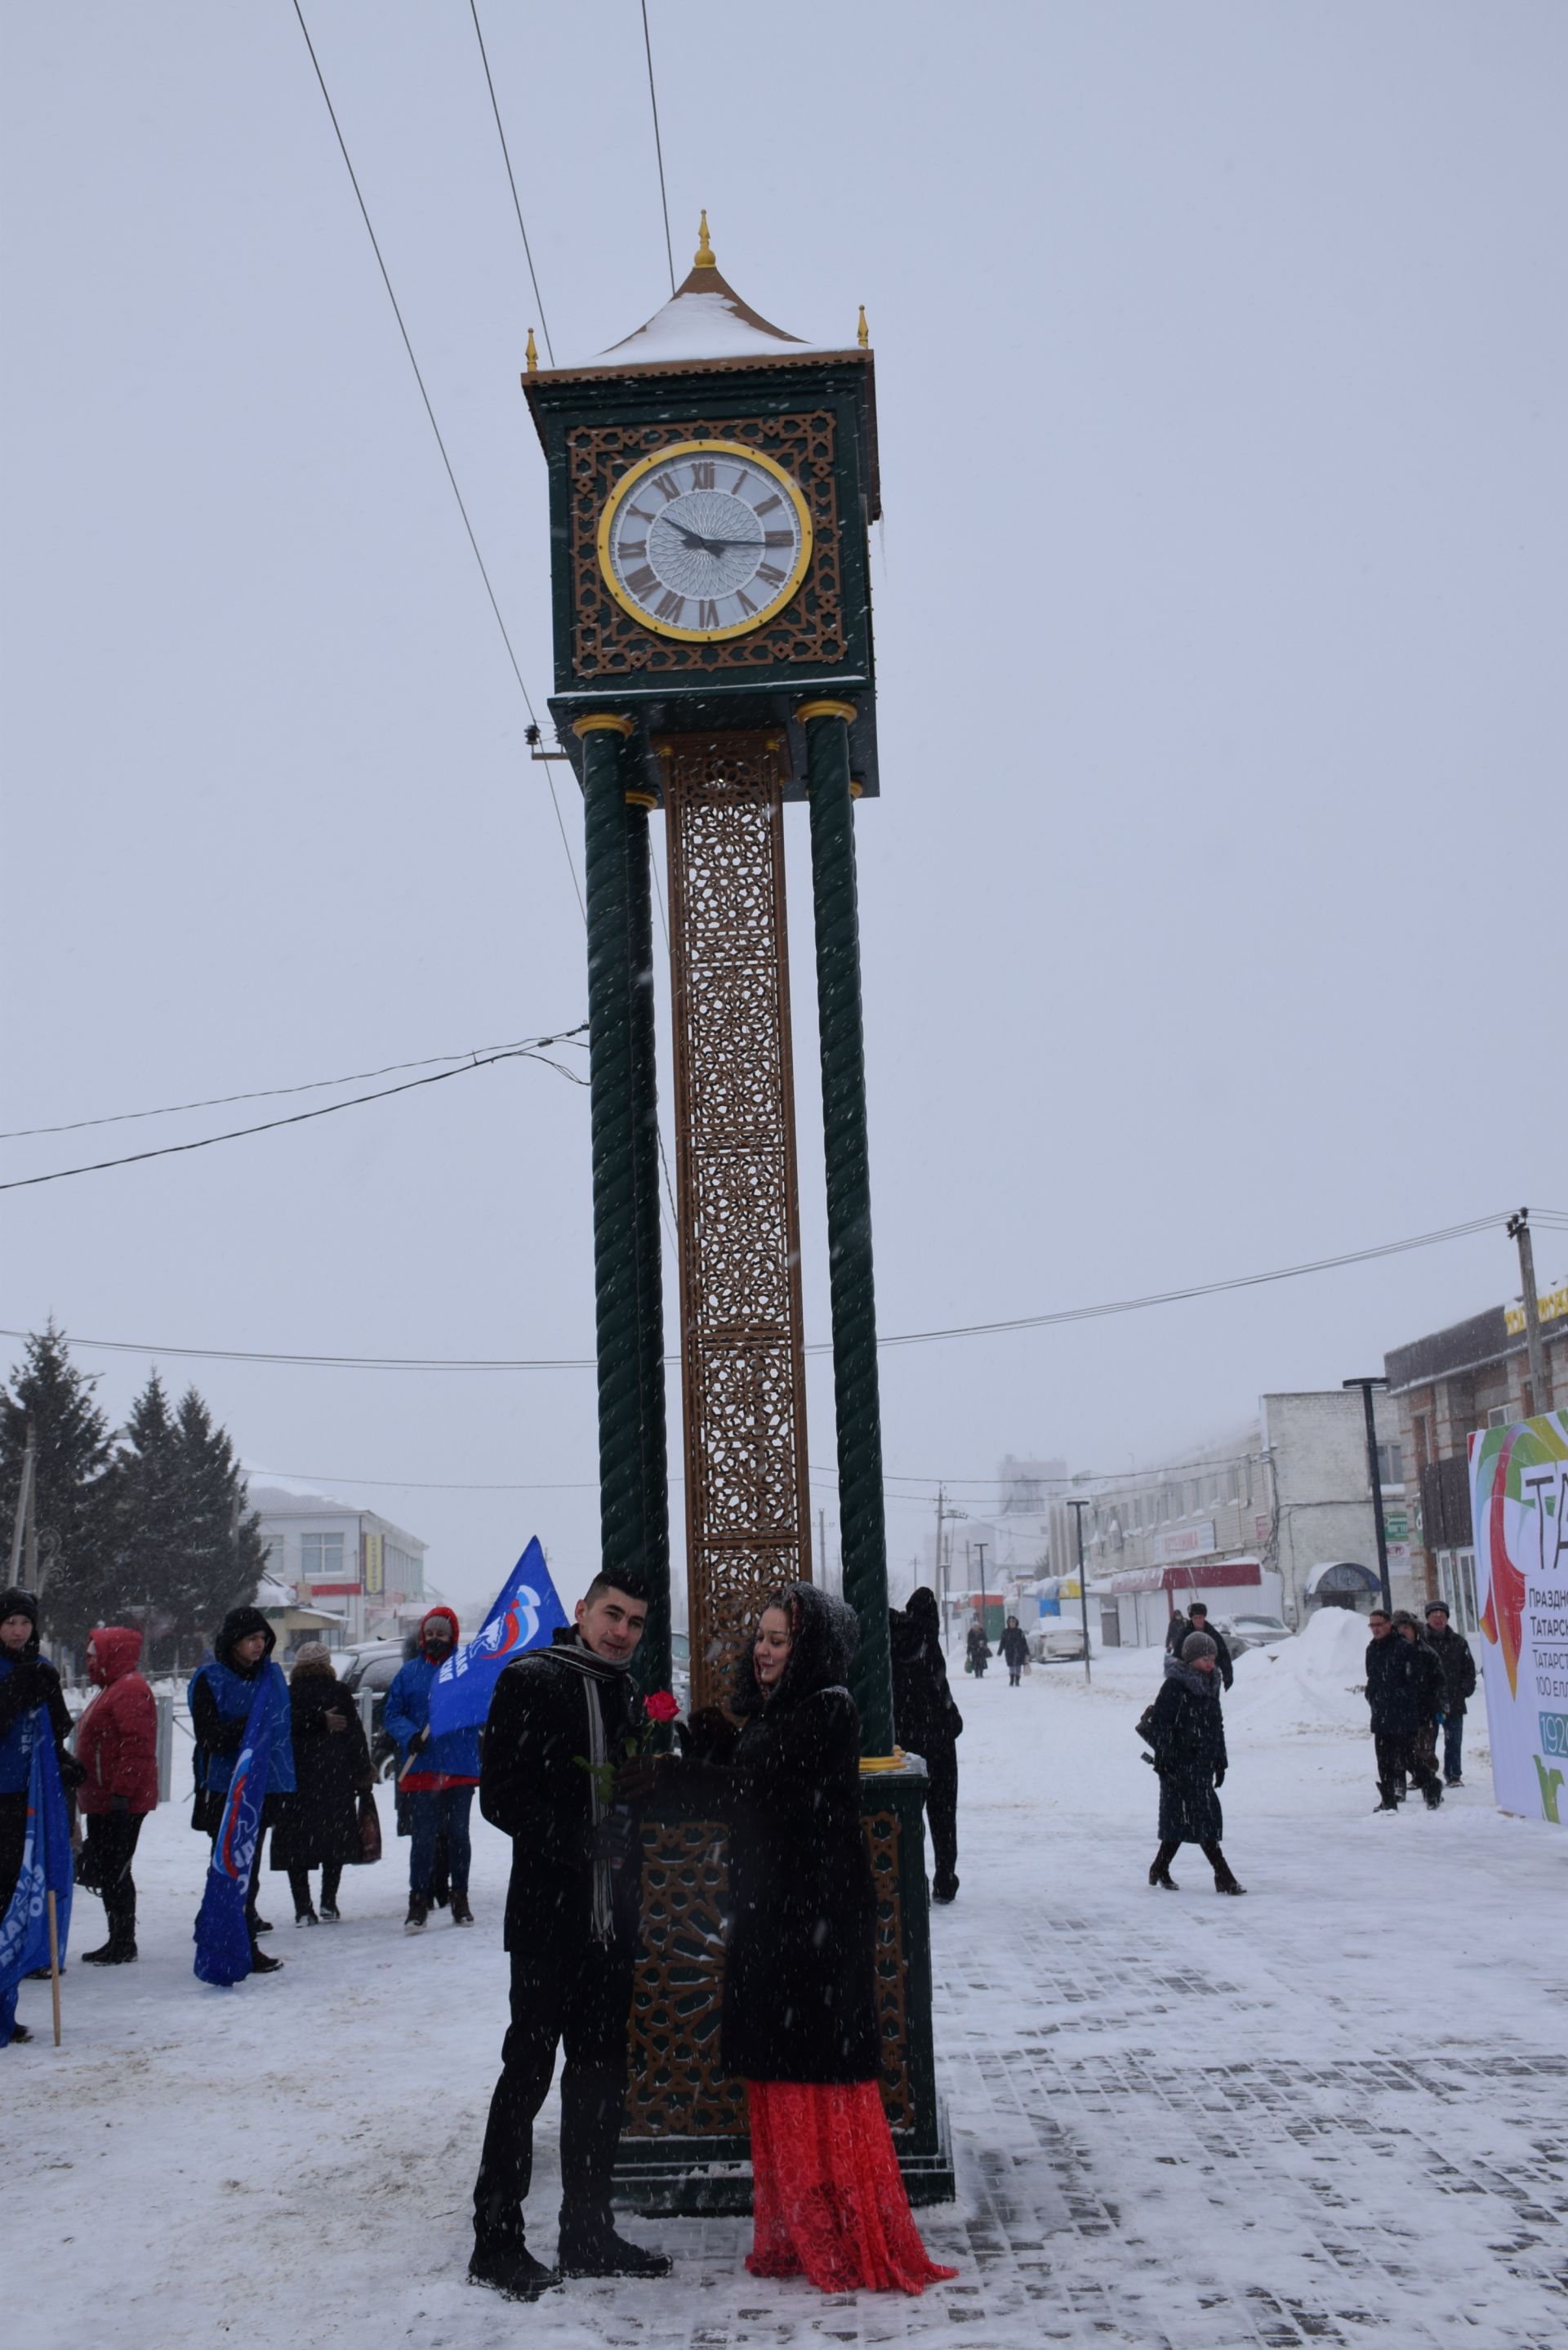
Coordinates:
x,y
703,540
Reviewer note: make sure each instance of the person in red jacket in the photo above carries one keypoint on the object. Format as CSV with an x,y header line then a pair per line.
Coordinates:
x,y
117,1745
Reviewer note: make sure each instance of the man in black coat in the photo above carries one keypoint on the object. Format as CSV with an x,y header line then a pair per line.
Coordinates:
x,y
1452,1651
926,1722
1197,1620
1396,1690
558,1717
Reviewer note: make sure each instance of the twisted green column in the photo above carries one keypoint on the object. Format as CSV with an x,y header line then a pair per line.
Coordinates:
x,y
653,1656
862,1522
633,1503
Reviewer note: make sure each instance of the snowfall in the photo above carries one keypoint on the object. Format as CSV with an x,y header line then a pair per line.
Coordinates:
x,y
1333,2112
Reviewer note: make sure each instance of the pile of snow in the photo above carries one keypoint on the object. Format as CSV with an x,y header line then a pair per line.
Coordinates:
x,y
1313,1681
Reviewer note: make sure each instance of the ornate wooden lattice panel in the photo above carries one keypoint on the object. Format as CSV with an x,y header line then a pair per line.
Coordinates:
x,y
744,1369
677,2088
605,640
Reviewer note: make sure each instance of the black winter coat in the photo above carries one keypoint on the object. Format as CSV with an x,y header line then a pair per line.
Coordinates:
x,y
800,1991
1397,1686
321,1821
925,1719
1452,1651
1014,1646
1431,1687
531,1784
1188,1739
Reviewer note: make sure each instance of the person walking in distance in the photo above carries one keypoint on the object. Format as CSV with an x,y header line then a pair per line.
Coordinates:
x,y
1394,1700
438,1776
117,1746
977,1650
1198,1617
1188,1733
926,1722
799,2023
1452,1651
319,1824
573,1915
1015,1647
220,1695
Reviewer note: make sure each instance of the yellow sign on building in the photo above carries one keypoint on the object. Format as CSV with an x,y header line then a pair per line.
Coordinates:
x,y
375,1577
1549,1307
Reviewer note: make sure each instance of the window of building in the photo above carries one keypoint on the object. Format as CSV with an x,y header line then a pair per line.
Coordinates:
x,y
321,1558
1457,1584
1391,1464
1497,1416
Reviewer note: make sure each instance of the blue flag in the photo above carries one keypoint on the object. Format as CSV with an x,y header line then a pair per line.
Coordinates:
x,y
223,1935
45,1869
523,1618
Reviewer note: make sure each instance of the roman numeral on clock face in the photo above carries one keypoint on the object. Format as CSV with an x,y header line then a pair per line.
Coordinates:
x,y
702,475
766,506
633,550
669,488
778,539
707,614
670,606
642,582
769,576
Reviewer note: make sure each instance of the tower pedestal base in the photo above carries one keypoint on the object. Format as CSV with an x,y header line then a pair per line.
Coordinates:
x,y
685,2147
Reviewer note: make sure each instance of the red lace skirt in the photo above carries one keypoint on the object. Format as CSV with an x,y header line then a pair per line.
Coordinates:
x,y
828,2198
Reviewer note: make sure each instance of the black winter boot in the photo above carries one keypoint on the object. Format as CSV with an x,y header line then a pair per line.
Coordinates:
x,y
1432,1793
1224,1878
461,1915
261,1965
590,2247
419,1913
1386,1801
1160,1868
115,1952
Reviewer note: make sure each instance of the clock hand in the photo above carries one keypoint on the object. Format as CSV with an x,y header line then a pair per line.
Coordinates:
x,y
713,545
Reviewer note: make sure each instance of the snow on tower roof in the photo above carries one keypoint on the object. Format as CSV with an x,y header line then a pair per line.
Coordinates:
x,y
705,319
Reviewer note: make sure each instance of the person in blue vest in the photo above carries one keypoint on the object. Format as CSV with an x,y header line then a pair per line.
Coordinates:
x,y
28,1685
221,1694
438,1776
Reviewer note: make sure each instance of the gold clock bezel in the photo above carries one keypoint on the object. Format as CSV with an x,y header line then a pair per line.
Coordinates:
x,y
646,465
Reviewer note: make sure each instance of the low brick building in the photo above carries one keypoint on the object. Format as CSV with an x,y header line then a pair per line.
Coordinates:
x,y
1475,1373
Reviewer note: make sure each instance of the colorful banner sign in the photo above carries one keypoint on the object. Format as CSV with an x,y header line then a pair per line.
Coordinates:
x,y
1518,1498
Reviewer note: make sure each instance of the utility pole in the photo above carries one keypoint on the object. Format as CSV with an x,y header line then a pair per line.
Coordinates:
x,y
1539,1389
1375,1474
24,1501
1078,1509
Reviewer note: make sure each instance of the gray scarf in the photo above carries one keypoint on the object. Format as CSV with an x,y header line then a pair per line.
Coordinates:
x,y
579,1659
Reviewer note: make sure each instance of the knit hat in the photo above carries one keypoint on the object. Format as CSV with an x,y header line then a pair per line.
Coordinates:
x,y
1437,1607
1196,1645
315,1657
19,1603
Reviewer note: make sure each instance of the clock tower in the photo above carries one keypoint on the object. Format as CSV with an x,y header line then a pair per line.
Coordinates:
x,y
712,484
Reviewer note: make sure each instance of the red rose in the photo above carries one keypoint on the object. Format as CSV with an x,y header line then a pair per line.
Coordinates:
x,y
659,1706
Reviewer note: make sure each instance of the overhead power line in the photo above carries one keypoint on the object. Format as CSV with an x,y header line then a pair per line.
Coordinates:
x,y
510,179
299,1118
435,428
900,1338
313,1086
658,145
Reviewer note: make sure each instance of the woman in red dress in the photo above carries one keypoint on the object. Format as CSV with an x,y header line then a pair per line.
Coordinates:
x,y
800,2024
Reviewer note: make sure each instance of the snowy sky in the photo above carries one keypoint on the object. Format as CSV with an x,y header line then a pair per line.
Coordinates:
x,y
1212,908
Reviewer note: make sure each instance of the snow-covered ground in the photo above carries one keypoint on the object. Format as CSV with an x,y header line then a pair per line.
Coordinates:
x,y
1336,2111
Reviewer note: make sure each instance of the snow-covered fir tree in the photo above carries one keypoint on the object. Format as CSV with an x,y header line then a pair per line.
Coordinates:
x,y
74,1481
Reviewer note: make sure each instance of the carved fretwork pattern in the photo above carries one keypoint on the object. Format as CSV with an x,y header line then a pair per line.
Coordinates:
x,y
677,2088
608,642
882,1838
743,1373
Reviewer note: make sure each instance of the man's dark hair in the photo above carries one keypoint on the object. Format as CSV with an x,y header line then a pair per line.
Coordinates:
x,y
631,1584
1373,1614
1199,1608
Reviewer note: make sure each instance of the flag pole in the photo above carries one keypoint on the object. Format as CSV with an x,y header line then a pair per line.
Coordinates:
x,y
55,1961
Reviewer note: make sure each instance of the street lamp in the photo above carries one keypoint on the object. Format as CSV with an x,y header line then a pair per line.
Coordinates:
x,y
1376,1474
1078,1509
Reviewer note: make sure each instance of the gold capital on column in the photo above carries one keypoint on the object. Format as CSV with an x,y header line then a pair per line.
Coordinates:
x,y
844,709
602,721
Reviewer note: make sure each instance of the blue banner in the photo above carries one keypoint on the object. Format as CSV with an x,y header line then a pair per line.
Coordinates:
x,y
523,1618
45,1869
223,1934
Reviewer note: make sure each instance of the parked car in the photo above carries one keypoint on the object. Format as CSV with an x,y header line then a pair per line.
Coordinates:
x,y
374,1665
1058,1644
1244,1632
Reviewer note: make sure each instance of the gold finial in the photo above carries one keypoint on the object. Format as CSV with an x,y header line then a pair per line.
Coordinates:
x,y
704,258
863,332
534,351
